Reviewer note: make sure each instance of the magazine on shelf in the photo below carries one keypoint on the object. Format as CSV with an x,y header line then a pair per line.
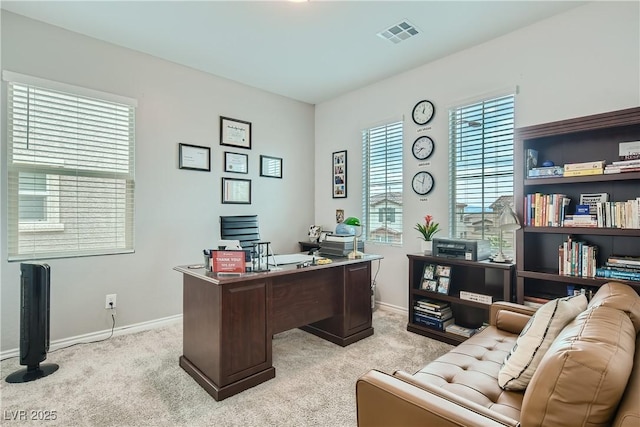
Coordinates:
x,y
592,200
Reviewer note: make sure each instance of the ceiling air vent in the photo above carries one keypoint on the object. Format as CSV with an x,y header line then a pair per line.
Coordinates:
x,y
399,32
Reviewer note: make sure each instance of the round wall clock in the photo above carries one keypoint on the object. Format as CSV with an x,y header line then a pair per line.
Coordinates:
x,y
423,112
422,183
422,147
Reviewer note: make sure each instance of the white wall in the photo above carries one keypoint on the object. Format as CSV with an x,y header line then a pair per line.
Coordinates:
x,y
583,62
176,210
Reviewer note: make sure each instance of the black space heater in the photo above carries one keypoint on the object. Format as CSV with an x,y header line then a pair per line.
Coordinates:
x,y
34,323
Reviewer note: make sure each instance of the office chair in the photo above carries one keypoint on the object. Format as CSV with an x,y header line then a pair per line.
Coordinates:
x,y
243,228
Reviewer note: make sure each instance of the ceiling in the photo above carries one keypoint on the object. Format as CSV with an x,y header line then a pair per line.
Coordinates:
x,y
309,51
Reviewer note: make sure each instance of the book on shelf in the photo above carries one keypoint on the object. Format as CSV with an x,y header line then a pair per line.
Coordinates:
x,y
545,210
580,221
472,296
583,172
441,314
592,200
546,172
436,305
432,322
460,330
571,167
624,259
622,266
616,274
629,150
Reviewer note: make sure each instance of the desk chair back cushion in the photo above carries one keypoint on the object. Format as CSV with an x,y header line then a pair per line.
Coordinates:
x,y
243,228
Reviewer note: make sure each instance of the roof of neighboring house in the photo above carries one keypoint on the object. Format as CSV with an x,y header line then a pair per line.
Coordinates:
x,y
386,230
391,196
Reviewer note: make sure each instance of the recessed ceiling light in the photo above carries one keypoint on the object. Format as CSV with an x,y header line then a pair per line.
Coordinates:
x,y
399,32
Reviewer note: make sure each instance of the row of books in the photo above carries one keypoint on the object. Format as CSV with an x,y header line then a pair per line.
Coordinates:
x,y
623,166
577,258
550,210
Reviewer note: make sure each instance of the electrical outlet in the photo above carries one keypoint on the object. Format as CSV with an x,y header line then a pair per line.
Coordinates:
x,y
110,302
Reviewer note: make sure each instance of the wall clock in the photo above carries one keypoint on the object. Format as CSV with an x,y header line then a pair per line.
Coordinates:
x,y
422,147
422,183
423,112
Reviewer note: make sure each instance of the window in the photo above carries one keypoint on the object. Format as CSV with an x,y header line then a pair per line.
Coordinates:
x,y
382,183
71,170
481,165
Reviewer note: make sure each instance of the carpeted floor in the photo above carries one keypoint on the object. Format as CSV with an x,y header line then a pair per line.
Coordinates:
x,y
135,380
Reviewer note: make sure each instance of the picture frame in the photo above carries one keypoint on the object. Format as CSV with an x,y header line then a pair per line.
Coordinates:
x,y
443,285
236,191
236,162
194,157
235,133
339,174
271,167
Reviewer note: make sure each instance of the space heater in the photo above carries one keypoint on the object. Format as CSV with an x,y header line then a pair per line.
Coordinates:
x,y
34,323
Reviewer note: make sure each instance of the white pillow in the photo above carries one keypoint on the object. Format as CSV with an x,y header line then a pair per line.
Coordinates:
x,y
535,339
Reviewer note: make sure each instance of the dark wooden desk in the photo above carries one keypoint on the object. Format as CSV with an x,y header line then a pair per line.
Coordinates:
x,y
229,321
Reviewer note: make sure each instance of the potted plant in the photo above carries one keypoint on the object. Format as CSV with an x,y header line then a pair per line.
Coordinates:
x,y
427,230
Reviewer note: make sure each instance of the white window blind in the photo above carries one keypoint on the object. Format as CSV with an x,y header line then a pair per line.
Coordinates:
x,y
71,173
382,183
481,165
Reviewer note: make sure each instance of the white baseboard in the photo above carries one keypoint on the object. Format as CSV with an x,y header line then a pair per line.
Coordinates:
x,y
100,335
393,308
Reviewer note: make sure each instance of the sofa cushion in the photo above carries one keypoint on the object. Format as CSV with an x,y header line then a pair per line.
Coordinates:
x,y
619,296
536,337
583,375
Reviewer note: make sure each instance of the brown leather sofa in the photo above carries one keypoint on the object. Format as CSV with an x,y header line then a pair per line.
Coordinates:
x,y
590,376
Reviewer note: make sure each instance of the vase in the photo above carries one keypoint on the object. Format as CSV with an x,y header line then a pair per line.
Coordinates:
x,y
426,246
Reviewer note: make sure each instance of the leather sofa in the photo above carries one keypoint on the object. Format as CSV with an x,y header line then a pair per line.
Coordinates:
x,y
589,376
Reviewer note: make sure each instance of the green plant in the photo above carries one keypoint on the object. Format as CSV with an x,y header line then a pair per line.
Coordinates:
x,y
429,228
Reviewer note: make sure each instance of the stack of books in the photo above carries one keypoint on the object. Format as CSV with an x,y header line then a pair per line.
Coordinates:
x,y
545,210
546,172
621,267
623,166
461,330
586,168
577,258
337,245
433,314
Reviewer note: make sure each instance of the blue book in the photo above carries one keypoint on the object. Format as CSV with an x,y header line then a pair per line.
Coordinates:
x,y
616,274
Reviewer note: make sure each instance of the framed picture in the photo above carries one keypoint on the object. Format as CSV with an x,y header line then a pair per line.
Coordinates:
x,y
235,133
339,168
194,157
236,162
429,285
443,285
271,166
443,270
236,191
339,215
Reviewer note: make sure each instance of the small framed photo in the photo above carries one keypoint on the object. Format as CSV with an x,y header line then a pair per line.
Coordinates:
x,y
236,162
339,215
429,285
339,174
443,270
443,285
271,166
194,157
236,191
235,133
429,271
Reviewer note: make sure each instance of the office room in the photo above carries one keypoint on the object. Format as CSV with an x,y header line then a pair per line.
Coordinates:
x,y
581,59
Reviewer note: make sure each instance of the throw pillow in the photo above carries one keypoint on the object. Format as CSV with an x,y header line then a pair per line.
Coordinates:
x,y
535,339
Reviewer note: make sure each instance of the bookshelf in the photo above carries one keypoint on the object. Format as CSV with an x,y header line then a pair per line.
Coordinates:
x,y
583,139
481,277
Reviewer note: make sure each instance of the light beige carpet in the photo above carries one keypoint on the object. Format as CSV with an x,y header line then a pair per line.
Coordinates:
x,y
135,380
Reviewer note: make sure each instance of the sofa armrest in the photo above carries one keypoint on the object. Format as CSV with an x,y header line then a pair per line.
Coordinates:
x,y
385,400
509,316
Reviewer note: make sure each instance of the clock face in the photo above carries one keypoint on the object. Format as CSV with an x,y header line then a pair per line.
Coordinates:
x,y
422,183
423,112
422,148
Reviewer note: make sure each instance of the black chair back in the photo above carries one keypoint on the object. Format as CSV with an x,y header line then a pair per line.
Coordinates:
x,y
243,228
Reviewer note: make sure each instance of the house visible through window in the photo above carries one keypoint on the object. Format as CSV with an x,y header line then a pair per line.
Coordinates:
x,y
70,168
382,183
481,168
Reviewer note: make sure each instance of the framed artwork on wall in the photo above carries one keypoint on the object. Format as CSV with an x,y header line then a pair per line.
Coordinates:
x,y
236,162
236,191
271,166
194,157
235,133
339,173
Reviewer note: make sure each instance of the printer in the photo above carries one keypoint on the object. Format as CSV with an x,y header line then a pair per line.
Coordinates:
x,y
470,250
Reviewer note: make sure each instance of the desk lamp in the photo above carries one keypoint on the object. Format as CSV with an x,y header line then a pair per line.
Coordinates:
x,y
354,222
508,221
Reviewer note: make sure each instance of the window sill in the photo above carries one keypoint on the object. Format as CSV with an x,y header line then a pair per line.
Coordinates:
x,y
40,227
